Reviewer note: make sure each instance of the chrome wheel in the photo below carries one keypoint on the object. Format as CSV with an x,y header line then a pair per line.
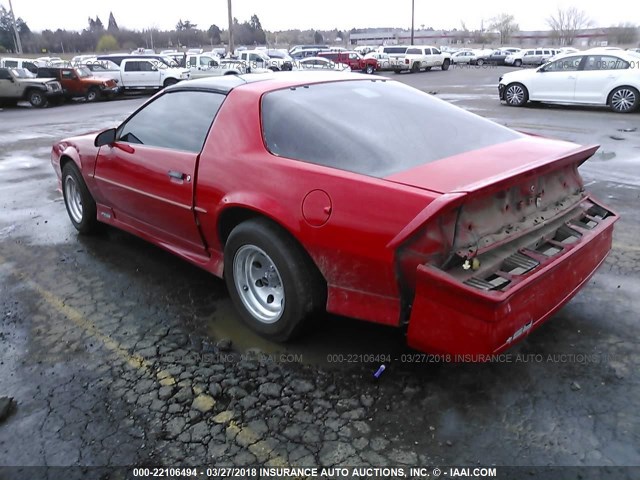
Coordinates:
x,y
515,95
258,283
73,198
623,100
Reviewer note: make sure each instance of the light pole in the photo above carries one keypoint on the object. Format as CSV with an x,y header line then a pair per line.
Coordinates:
x,y
413,11
230,28
15,30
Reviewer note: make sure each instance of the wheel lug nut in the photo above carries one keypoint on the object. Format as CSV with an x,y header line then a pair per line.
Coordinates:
x,y
245,288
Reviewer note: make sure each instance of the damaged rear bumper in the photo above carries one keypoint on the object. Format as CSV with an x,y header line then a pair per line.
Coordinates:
x,y
485,316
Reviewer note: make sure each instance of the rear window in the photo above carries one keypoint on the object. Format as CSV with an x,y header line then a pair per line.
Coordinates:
x,y
414,51
375,128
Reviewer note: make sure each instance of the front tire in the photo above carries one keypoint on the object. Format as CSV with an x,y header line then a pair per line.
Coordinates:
x,y
37,98
271,280
93,95
169,81
517,63
369,70
480,62
516,95
81,206
624,99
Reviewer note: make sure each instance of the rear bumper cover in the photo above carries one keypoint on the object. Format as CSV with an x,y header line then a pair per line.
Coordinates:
x,y
450,317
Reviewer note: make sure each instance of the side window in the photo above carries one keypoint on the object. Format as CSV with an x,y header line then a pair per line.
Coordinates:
x,y
4,74
435,51
30,66
192,61
132,67
353,56
175,120
538,52
205,61
10,63
147,66
67,74
331,56
605,62
569,64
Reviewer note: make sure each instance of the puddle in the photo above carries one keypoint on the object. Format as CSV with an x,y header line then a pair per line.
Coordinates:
x,y
332,341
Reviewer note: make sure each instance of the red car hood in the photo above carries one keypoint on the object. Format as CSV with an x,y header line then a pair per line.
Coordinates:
x,y
494,166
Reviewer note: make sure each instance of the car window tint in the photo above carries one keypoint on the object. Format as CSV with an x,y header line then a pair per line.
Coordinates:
x,y
373,128
175,120
10,63
132,67
4,74
414,51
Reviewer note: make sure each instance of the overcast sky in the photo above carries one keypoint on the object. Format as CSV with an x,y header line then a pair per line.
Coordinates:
x,y
304,14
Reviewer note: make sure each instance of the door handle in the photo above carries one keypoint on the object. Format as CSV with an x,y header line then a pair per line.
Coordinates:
x,y
179,175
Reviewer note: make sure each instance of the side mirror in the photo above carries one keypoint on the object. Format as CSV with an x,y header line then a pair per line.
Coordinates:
x,y
105,138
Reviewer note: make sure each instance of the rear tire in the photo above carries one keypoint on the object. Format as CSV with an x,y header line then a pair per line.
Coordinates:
x,y
415,68
271,279
480,62
517,63
624,100
445,64
369,70
37,98
516,95
81,206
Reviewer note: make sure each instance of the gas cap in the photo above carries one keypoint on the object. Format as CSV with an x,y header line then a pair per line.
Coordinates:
x,y
316,208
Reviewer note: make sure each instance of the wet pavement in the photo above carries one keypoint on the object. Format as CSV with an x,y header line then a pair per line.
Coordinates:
x,y
117,353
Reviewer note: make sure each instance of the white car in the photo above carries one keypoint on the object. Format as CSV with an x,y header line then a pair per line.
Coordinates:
x,y
596,77
464,57
321,64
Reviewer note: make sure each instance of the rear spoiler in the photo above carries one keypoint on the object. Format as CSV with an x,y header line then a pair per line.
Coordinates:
x,y
453,199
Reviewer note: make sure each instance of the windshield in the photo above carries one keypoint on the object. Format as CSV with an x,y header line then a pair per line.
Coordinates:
x,y
83,72
21,73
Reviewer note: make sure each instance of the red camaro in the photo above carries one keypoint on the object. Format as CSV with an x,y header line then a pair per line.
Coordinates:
x,y
352,194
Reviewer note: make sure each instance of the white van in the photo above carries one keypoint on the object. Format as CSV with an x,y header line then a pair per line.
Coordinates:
x,y
26,63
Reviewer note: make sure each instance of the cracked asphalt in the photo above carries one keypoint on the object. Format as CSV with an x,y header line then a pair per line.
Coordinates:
x,y
118,354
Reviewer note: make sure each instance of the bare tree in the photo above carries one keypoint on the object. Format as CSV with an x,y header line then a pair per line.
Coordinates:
x,y
567,23
506,25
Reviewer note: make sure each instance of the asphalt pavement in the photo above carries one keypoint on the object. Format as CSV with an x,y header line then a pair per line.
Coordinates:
x,y
117,353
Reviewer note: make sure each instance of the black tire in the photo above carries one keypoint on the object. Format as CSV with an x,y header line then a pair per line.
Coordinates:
x,y
369,69
516,95
274,69
169,81
445,64
415,68
37,98
480,62
88,222
624,99
303,286
93,94
517,63
397,71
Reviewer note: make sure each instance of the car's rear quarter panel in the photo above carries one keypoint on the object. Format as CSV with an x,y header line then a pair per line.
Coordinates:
x,y
236,170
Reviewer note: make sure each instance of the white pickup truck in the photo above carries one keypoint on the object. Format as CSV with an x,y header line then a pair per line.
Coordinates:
x,y
257,61
423,57
139,73
202,65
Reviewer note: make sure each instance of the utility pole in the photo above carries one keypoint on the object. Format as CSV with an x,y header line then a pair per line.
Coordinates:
x,y
230,28
15,30
413,11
